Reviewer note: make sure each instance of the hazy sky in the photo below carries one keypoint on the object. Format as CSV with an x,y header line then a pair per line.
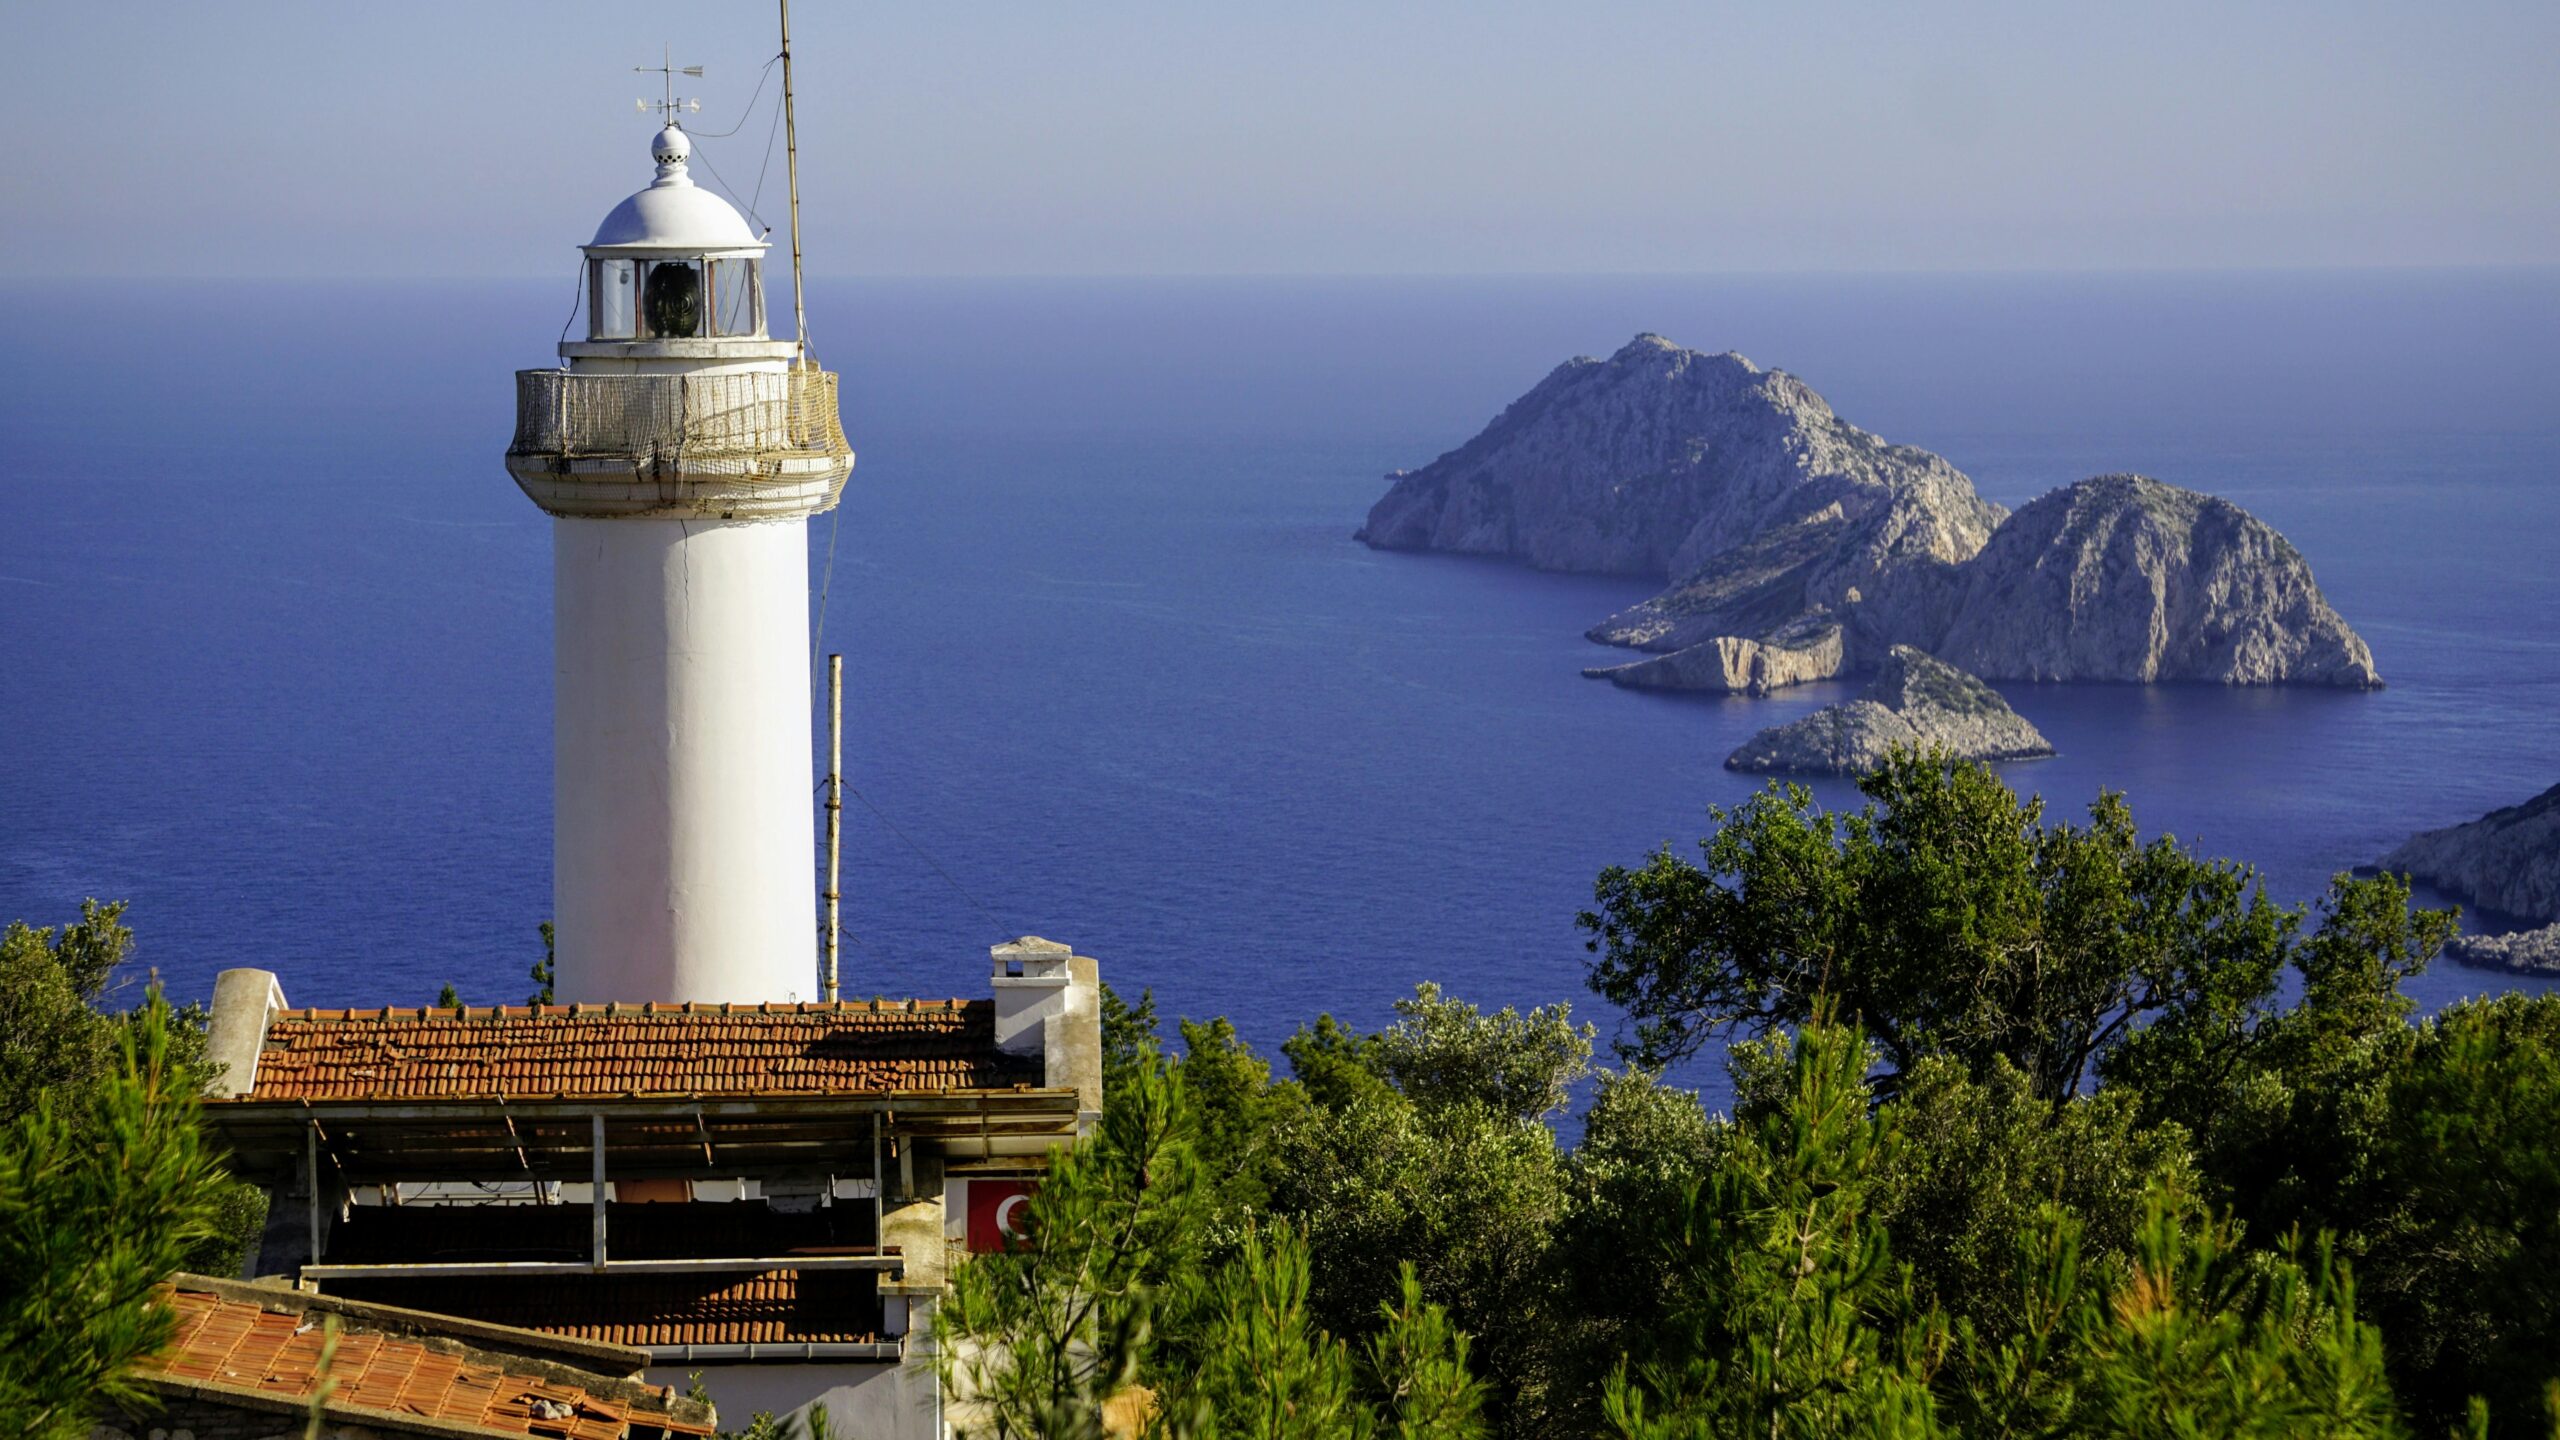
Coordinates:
x,y
1208,136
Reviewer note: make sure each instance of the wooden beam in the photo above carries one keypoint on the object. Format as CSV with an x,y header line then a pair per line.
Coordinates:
x,y
311,1174
597,1199
225,1114
463,1269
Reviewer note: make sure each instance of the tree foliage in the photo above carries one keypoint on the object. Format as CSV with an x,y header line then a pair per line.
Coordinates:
x,y
1110,1317
59,1042
1789,1316
105,1187
1946,917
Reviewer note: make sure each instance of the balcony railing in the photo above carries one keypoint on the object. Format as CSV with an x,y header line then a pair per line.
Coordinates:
x,y
756,444
775,415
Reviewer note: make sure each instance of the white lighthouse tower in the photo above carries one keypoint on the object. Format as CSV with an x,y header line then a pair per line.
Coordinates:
x,y
680,452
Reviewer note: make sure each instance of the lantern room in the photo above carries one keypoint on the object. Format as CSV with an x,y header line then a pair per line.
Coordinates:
x,y
674,262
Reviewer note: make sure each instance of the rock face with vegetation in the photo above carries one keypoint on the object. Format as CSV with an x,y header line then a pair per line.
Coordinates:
x,y
1800,547
1914,702
2507,860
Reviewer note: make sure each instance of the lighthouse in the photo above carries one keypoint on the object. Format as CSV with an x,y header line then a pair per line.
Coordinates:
x,y
680,451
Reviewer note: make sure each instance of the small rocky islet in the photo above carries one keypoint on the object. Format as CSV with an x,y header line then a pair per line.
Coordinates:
x,y
1799,547
1914,702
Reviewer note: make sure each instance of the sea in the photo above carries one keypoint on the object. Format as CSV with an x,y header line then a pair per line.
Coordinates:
x,y
275,623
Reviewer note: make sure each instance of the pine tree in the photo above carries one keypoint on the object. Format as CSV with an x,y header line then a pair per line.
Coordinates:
x,y
1793,1318
100,1200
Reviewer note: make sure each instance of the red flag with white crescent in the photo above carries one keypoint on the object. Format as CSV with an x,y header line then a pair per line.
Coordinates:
x,y
998,1213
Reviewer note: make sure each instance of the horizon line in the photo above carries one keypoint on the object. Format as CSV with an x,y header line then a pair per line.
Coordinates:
x,y
56,277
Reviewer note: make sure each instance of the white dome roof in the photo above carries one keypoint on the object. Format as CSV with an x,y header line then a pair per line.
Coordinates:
x,y
674,213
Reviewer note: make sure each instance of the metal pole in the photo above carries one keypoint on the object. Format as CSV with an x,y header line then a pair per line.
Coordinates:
x,y
312,1158
791,165
835,811
596,1201
879,1192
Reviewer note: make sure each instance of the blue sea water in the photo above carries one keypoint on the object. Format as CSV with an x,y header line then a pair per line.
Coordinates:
x,y
274,623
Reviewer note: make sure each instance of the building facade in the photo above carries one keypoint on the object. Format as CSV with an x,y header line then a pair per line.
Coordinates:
x,y
769,1195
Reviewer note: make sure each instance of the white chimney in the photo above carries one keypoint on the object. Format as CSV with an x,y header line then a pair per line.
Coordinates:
x,y
1049,1005
243,1001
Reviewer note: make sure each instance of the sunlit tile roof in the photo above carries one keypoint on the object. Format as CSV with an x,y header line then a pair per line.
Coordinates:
x,y
232,1344
515,1052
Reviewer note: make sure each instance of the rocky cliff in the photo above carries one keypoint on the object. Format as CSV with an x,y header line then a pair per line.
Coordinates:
x,y
1656,459
2125,578
1801,547
2507,860
1914,702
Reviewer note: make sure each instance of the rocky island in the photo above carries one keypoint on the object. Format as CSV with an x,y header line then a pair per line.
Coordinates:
x,y
1799,547
1914,702
2507,860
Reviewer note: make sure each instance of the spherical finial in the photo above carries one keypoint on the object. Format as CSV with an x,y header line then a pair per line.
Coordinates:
x,y
671,149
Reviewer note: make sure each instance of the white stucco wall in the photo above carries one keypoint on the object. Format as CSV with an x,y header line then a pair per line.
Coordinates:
x,y
867,1401
683,866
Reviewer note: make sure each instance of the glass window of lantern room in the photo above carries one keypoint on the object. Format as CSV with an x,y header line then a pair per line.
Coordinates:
x,y
733,299
671,299
611,294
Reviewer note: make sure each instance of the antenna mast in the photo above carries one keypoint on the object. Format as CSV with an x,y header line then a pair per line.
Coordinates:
x,y
791,164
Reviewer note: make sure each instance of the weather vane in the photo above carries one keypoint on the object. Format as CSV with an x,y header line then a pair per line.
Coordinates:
x,y
670,107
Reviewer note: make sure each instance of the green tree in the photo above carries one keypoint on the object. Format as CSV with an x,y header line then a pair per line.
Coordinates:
x,y
52,1039
2203,1339
1945,917
55,1042
1337,1065
1645,1146
1041,1337
1128,1037
1789,1315
1242,1122
2461,1202
544,968
1467,1198
1980,1159
1424,1144
1112,1306
2279,1101
1266,1369
1418,1368
104,1189
1443,1052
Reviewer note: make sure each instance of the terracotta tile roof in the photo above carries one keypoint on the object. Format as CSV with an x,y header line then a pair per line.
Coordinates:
x,y
777,1307
226,1343
877,1046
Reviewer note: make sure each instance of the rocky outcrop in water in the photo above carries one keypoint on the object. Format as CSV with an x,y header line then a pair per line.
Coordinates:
x,y
1915,702
2125,578
1658,458
2507,860
2527,952
1801,547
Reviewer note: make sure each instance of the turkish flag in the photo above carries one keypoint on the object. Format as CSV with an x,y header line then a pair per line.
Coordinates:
x,y
999,1211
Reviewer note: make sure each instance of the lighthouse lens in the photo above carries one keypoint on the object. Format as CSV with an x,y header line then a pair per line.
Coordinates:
x,y
671,300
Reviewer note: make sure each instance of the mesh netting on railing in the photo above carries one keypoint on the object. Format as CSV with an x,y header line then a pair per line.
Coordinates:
x,y
778,413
